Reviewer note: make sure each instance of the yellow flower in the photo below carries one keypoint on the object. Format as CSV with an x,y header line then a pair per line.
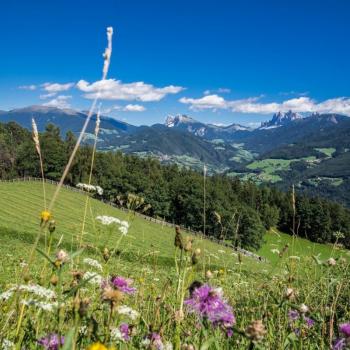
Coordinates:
x,y
99,346
45,215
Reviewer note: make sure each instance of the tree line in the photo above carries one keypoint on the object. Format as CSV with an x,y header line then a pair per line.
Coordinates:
x,y
234,210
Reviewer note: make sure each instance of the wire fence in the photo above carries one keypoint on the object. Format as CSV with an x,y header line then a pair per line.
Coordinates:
x,y
147,218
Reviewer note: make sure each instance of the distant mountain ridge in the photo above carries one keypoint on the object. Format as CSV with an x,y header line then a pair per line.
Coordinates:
x,y
208,131
280,119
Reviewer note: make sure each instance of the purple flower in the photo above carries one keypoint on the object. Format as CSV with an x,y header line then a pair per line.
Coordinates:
x,y
51,342
345,329
123,284
125,331
339,344
309,321
293,315
208,304
156,341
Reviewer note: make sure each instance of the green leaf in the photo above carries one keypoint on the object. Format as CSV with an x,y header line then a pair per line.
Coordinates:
x,y
46,256
207,343
68,340
78,252
73,291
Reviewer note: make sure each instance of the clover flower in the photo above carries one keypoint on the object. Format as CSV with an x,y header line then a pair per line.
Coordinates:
x,y
51,342
208,304
123,284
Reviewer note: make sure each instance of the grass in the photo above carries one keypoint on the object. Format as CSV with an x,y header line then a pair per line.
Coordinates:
x,y
269,167
327,151
21,204
162,275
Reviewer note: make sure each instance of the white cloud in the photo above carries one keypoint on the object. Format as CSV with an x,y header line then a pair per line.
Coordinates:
x,y
112,89
45,96
28,87
56,87
219,91
61,101
205,102
134,108
251,105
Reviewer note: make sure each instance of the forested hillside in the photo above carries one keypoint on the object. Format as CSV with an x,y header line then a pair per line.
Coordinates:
x,y
236,210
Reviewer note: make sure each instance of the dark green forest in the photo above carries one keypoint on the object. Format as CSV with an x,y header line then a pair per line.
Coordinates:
x,y
238,211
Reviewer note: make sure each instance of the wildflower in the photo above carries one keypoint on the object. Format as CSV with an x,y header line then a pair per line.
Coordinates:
x,y
304,321
93,278
208,303
51,342
154,341
188,245
344,341
195,256
125,331
303,309
178,238
45,216
107,220
7,344
93,263
331,262
112,295
98,346
127,311
290,294
123,284
41,305
34,289
123,230
209,274
62,256
256,331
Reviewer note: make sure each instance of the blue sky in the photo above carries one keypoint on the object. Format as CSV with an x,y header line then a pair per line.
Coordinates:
x,y
218,61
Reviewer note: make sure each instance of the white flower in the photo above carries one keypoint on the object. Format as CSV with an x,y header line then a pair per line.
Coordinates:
x,y
123,230
93,263
7,344
93,278
107,220
124,223
116,334
275,251
303,308
168,346
128,311
44,306
90,188
35,289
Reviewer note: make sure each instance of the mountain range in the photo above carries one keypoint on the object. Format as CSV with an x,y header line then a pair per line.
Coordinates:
x,y
312,152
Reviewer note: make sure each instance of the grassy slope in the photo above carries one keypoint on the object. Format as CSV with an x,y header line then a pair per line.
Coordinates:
x,y
21,204
20,207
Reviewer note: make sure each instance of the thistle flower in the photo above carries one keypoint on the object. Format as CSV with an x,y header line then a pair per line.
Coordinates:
x,y
125,331
208,304
256,331
123,284
344,341
51,342
178,238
